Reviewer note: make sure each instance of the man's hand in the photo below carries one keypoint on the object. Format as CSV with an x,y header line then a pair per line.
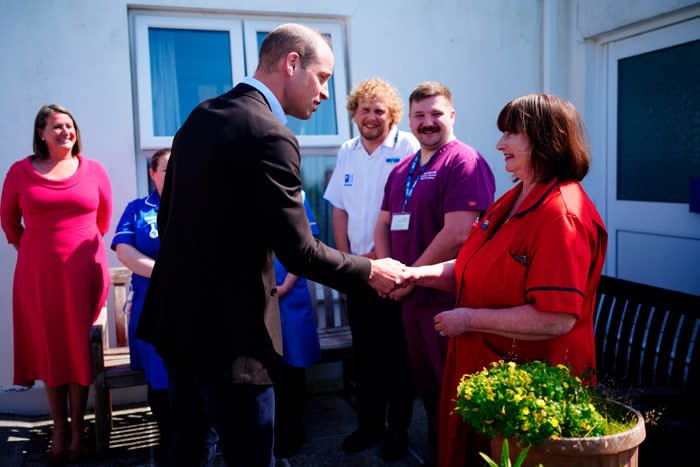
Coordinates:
x,y
386,275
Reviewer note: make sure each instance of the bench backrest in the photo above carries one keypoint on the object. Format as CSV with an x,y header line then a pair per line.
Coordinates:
x,y
330,309
647,336
329,306
120,277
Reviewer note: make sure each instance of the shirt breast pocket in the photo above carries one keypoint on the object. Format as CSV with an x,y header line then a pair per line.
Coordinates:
x,y
509,273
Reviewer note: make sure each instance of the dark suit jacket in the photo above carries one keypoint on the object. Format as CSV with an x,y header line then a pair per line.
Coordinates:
x,y
232,196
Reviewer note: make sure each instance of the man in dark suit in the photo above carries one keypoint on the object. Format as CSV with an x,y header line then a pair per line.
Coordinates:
x,y
232,196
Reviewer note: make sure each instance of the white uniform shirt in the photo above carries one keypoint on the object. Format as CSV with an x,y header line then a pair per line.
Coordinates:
x,y
357,183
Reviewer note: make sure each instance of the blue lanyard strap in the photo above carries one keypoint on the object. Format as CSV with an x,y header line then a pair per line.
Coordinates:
x,y
410,181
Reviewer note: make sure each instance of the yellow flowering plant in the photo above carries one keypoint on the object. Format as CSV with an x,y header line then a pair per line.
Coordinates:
x,y
530,402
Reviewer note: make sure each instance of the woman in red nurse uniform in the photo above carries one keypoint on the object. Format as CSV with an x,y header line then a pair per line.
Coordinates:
x,y
526,277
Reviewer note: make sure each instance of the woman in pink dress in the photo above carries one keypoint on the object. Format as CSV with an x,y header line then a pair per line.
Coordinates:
x,y
56,205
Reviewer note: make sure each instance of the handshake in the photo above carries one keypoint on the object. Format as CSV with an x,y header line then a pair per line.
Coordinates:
x,y
388,275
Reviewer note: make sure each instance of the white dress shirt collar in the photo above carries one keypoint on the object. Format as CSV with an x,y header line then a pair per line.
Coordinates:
x,y
275,105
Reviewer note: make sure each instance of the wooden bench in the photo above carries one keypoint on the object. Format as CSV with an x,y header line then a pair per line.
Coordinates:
x,y
330,309
648,352
647,339
111,365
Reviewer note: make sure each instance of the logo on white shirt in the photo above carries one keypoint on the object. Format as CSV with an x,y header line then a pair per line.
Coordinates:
x,y
347,180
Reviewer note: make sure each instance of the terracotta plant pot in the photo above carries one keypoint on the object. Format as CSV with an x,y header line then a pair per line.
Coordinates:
x,y
620,449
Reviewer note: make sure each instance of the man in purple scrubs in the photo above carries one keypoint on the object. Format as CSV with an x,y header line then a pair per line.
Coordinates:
x,y
430,202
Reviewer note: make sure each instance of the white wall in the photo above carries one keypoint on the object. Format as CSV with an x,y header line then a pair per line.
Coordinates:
x,y
486,52
76,53
596,17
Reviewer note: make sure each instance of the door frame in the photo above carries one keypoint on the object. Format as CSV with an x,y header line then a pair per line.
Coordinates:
x,y
638,216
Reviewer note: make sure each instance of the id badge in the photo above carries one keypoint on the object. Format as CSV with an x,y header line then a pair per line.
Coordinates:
x,y
400,221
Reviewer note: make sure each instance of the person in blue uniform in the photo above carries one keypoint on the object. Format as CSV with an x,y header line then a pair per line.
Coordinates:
x,y
136,244
301,349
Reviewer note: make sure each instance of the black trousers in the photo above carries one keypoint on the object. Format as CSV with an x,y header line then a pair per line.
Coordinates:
x,y
290,394
382,369
239,416
158,401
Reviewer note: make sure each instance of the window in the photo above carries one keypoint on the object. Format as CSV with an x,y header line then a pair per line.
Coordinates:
x,y
329,126
657,124
181,60
316,171
179,63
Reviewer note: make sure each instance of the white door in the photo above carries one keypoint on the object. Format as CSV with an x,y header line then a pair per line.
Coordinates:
x,y
653,152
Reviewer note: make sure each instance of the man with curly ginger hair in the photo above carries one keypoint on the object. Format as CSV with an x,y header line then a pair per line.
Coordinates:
x,y
384,388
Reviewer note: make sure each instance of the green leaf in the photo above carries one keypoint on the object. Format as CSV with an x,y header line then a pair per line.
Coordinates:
x,y
521,458
488,460
505,454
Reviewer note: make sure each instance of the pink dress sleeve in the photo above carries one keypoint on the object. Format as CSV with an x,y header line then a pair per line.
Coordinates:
x,y
104,210
10,212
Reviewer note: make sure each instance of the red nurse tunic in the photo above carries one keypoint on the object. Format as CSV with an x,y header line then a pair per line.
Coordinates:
x,y
549,254
61,277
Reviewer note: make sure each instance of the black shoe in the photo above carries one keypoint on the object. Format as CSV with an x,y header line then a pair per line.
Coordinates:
x,y
360,440
395,445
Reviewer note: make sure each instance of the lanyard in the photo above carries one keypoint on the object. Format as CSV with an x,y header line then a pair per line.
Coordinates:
x,y
410,181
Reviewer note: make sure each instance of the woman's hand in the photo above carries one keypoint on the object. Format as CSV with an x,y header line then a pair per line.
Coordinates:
x,y
400,294
522,322
287,285
452,322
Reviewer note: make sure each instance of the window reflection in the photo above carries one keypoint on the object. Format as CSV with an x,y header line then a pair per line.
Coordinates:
x,y
658,124
315,173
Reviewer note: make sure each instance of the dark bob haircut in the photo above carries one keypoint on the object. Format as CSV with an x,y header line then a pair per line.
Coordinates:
x,y
556,134
41,150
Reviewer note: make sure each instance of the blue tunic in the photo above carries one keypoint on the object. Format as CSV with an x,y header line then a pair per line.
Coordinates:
x,y
299,334
138,228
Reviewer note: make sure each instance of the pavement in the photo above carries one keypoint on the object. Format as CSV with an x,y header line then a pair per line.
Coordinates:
x,y
328,418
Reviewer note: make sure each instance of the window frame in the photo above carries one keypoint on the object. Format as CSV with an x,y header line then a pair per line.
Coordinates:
x,y
673,226
335,31
142,23
244,60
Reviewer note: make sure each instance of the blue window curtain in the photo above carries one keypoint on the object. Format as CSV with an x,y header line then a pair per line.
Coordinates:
x,y
187,67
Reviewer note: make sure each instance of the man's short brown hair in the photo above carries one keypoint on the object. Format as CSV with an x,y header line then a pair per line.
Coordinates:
x,y
429,89
290,37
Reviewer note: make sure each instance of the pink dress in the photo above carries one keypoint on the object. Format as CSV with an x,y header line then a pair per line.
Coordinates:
x,y
61,277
